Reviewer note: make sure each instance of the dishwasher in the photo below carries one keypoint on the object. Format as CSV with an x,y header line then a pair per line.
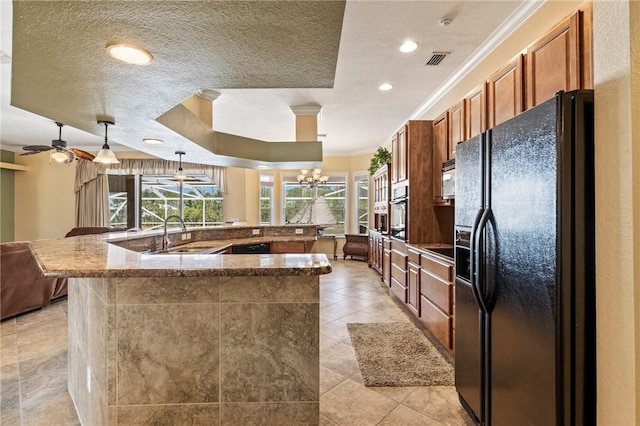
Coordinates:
x,y
260,248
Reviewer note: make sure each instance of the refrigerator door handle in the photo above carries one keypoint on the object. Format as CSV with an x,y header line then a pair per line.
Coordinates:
x,y
472,263
475,243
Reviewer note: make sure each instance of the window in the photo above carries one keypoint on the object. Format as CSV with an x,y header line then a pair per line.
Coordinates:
x,y
322,205
362,202
266,199
198,202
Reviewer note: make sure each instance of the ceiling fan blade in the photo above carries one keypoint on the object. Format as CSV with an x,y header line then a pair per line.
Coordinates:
x,y
82,154
37,148
31,152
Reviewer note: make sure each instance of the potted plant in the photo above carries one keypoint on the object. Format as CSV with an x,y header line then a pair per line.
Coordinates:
x,y
381,157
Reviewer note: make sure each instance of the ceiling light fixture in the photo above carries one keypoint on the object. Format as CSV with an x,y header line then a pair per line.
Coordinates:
x,y
153,141
105,155
180,174
60,156
408,46
129,53
385,86
311,178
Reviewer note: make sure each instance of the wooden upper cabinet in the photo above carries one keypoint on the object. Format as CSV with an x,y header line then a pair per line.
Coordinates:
x,y
475,111
505,93
457,127
554,62
440,152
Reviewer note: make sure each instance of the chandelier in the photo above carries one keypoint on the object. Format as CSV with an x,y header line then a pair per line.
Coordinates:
x,y
311,178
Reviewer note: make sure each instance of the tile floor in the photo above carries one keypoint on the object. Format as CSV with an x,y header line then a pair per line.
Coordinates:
x,y
33,362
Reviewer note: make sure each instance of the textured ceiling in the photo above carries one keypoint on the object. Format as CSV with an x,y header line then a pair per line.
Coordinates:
x,y
263,57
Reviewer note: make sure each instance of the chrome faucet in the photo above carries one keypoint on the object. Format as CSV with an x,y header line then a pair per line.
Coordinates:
x,y
165,237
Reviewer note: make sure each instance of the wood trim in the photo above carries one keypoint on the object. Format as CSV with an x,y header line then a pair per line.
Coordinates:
x,y
12,166
586,45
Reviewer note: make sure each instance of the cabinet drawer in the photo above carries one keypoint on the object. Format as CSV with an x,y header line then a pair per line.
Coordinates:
x,y
436,267
437,321
437,290
414,256
398,290
399,259
288,247
400,275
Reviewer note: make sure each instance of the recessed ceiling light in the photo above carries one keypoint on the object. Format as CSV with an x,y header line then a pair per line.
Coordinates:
x,y
129,53
408,46
385,86
262,166
152,141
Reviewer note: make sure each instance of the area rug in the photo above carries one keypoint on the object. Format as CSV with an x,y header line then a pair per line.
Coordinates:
x,y
398,354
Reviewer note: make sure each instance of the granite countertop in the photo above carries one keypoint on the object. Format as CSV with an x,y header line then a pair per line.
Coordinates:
x,y
95,256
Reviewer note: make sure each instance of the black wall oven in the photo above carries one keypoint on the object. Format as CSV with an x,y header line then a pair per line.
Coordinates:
x,y
398,206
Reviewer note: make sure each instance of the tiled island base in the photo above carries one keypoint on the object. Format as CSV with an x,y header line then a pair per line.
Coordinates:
x,y
194,350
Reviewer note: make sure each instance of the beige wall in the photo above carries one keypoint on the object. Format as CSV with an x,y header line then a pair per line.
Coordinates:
x,y
617,90
44,198
7,198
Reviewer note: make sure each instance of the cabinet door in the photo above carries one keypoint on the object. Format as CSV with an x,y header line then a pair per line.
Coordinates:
x,y
457,130
413,290
402,157
386,266
504,93
553,63
440,152
475,110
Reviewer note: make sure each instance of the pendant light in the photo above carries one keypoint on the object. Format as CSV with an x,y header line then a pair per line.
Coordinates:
x,y
105,155
180,174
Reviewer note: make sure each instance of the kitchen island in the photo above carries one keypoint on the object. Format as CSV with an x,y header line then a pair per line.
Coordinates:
x,y
190,338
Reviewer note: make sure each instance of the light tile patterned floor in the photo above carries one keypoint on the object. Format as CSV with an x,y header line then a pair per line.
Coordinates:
x,y
33,363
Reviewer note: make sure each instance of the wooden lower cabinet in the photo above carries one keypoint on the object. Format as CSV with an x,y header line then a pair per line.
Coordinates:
x,y
281,247
398,271
376,251
436,321
386,261
413,288
436,297
423,282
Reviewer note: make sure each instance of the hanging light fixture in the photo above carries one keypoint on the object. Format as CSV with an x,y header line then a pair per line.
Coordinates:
x,y
180,174
105,155
311,178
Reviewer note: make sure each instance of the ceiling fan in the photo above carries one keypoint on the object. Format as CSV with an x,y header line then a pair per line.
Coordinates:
x,y
62,153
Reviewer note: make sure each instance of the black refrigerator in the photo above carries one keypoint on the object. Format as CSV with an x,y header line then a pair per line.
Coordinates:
x,y
525,268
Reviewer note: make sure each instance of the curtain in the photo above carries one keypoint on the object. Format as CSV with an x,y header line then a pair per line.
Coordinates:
x,y
92,195
163,167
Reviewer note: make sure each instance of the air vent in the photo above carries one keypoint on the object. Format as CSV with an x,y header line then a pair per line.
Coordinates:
x,y
437,58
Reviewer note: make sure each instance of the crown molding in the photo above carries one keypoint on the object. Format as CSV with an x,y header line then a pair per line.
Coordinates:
x,y
306,109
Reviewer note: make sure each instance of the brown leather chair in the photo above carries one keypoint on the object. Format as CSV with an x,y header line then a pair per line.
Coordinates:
x,y
23,287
